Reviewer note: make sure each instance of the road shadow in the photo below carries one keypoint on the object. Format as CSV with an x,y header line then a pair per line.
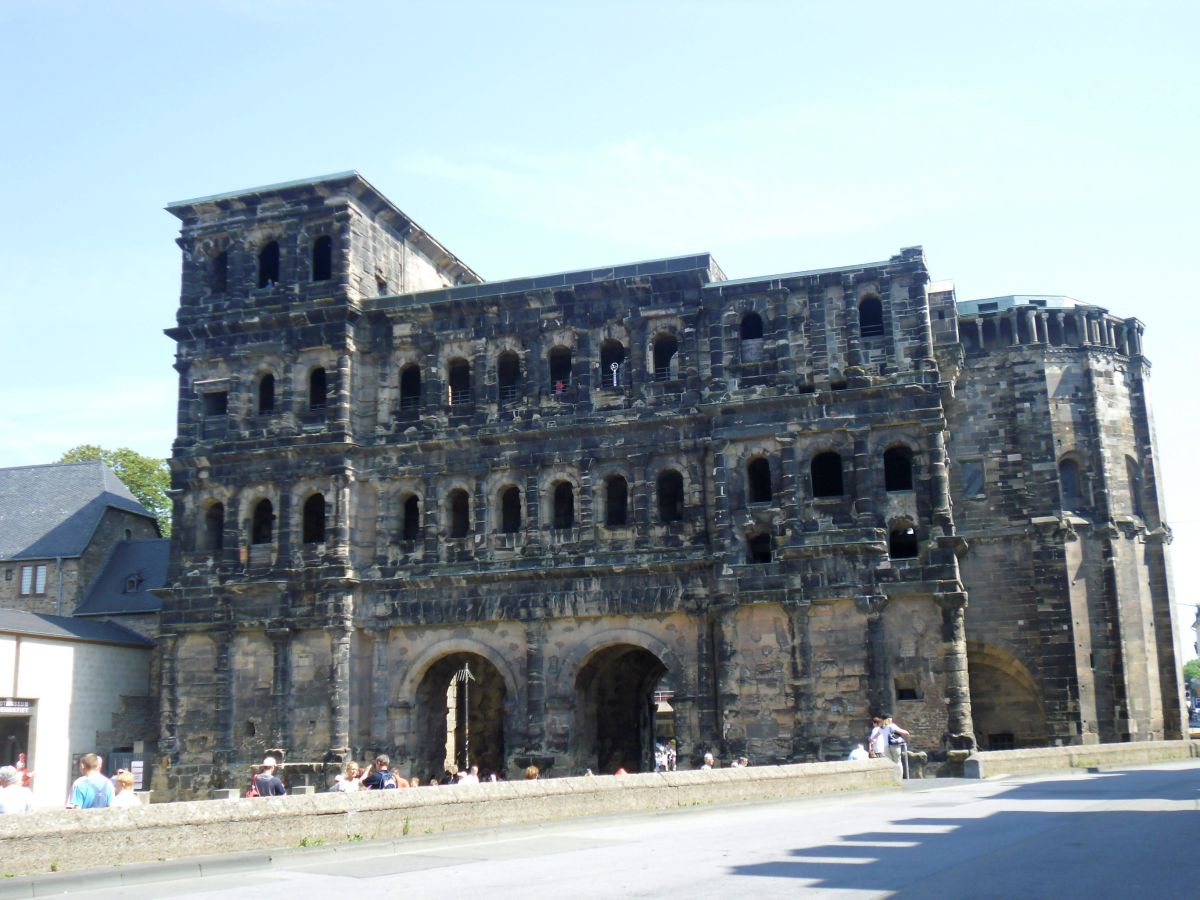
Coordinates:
x,y
1011,852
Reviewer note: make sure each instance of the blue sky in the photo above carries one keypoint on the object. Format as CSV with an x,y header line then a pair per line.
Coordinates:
x,y
1029,147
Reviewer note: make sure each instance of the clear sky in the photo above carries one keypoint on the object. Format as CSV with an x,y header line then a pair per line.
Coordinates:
x,y
1029,147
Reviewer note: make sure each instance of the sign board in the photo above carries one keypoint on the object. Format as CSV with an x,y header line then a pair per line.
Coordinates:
x,y
11,707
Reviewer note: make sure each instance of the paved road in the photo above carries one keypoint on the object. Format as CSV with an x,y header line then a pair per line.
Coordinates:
x,y
1128,834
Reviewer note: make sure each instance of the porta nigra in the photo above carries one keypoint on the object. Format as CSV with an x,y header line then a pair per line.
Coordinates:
x,y
552,520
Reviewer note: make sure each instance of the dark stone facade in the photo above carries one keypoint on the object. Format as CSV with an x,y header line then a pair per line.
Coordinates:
x,y
586,487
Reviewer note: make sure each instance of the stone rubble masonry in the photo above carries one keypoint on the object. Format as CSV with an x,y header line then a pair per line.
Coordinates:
x,y
341,641
64,840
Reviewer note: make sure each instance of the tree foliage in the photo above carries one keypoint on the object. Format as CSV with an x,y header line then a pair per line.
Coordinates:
x,y
147,478
1191,671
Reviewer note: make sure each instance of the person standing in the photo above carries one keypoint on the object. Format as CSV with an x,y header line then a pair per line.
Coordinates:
x,y
877,742
379,776
267,782
14,796
897,745
708,761
91,789
126,796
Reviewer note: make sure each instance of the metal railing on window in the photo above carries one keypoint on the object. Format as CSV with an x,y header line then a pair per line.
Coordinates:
x,y
509,394
871,330
460,397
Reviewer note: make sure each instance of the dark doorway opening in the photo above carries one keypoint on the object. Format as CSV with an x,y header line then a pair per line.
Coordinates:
x,y
510,510
460,719
616,718
412,518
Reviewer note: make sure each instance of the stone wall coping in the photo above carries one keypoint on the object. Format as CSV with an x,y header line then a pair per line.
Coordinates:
x,y
63,840
996,763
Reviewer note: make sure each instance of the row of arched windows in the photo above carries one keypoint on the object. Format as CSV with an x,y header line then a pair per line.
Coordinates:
x,y
267,274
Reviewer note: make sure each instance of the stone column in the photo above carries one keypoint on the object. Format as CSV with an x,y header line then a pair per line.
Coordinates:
x,y
168,703
1041,336
535,683
1081,328
341,517
223,757
283,529
960,733
341,412
1014,338
879,691
380,691
797,613
281,685
863,501
939,483
854,355
724,655
339,695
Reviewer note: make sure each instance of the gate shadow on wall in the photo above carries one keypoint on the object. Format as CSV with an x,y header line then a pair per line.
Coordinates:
x,y
460,720
1006,705
616,710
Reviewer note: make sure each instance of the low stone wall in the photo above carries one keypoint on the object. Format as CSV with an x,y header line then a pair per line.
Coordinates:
x,y
63,840
994,763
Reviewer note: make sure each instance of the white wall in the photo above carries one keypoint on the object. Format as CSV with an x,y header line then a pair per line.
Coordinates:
x,y
76,688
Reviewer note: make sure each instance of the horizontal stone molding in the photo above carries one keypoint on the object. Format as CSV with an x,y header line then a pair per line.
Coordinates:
x,y
66,840
997,763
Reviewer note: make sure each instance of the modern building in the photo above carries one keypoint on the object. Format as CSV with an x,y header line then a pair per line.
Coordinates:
x,y
467,521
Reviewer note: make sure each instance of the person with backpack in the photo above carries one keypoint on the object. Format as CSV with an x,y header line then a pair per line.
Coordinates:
x,y
266,783
380,778
897,744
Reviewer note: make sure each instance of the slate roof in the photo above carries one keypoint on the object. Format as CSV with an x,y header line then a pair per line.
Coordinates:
x,y
53,510
18,621
142,562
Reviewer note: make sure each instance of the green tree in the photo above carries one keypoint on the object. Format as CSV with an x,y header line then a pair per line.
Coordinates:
x,y
1191,670
147,478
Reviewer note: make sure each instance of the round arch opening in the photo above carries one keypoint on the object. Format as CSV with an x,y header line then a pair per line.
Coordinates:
x,y
461,701
623,710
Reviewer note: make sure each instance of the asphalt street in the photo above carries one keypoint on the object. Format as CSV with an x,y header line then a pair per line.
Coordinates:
x,y
1129,834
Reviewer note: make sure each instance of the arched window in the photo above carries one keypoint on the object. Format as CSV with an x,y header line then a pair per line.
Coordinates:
x,y
758,547
412,518
616,501
508,376
314,520
670,496
751,328
870,316
322,258
666,357
612,361
459,506
460,382
262,527
268,265
410,388
560,369
317,387
902,541
214,527
1068,482
564,505
219,276
897,469
827,475
510,509
266,394
758,480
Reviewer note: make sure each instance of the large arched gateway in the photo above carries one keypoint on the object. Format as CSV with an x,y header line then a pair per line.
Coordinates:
x,y
616,709
1006,704
460,716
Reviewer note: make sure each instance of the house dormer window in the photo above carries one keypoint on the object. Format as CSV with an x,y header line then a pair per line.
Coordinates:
x,y
133,583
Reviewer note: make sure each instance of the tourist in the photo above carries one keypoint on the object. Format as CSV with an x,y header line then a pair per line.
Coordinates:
x,y
859,752
14,796
348,781
877,742
532,773
897,744
266,782
125,795
91,789
708,761
379,775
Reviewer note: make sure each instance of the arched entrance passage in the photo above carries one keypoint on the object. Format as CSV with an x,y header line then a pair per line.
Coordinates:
x,y
1006,705
617,711
460,716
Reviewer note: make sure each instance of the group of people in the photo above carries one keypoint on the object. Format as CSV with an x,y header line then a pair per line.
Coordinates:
x,y
377,775
739,762
887,740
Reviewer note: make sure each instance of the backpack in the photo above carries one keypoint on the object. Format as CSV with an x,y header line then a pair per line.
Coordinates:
x,y
252,791
894,738
386,781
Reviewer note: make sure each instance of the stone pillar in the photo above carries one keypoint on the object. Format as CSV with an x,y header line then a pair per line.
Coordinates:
x,y
1027,316
854,355
283,529
341,410
1041,336
341,517
960,731
231,535
939,483
339,695
281,686
705,699
380,692
223,639
724,655
797,613
879,691
863,505
1014,338
1081,328
168,703
535,683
